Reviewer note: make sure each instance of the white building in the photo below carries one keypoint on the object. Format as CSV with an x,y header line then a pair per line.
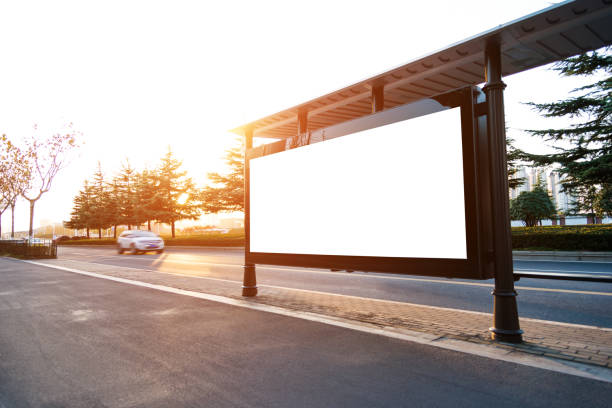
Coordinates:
x,y
562,200
552,181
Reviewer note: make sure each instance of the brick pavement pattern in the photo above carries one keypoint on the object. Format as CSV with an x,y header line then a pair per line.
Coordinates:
x,y
582,344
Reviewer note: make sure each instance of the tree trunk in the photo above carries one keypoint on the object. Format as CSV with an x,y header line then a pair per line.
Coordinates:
x,y
149,224
87,232
99,233
114,232
172,229
31,230
13,220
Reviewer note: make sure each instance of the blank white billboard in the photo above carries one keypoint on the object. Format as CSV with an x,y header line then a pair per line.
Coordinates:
x,y
390,191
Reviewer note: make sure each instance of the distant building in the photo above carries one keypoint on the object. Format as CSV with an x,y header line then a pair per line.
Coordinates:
x,y
563,201
552,181
526,186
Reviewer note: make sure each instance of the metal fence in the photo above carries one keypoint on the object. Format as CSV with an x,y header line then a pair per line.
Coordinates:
x,y
29,249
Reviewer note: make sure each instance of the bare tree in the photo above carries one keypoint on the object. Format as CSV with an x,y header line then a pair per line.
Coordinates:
x,y
14,175
45,158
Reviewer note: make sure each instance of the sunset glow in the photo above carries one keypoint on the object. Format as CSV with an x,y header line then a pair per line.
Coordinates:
x,y
181,75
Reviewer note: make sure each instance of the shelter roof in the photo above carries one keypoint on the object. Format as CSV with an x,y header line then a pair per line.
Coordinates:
x,y
549,35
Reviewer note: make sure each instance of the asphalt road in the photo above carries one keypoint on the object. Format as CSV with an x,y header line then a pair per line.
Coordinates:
x,y
68,340
565,301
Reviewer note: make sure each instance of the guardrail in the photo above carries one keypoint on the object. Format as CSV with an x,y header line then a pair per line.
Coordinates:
x,y
30,249
584,277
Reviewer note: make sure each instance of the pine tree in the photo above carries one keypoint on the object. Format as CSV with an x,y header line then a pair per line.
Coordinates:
x,y
101,217
145,188
127,196
81,215
227,192
113,205
176,193
532,206
513,156
586,166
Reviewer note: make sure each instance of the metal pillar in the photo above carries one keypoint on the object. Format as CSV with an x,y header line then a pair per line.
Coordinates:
x,y
505,313
249,282
378,97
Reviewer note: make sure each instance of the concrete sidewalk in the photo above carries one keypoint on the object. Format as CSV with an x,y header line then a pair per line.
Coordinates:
x,y
557,341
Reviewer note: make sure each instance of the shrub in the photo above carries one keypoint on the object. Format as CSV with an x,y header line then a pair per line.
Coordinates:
x,y
565,238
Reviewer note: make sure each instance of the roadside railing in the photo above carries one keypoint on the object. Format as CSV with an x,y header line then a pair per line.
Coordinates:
x,y
29,249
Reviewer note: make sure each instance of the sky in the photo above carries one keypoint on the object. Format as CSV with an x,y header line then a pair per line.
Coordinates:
x,y
134,77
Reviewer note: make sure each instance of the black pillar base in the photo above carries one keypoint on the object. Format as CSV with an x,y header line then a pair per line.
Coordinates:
x,y
507,336
505,318
249,291
249,283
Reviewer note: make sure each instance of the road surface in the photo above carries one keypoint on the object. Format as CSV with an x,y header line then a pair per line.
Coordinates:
x,y
564,301
69,340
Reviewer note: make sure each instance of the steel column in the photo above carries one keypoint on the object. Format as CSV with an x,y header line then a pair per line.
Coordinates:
x,y
249,282
505,313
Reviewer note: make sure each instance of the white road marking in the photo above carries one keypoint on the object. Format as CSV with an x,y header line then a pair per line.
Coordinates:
x,y
562,366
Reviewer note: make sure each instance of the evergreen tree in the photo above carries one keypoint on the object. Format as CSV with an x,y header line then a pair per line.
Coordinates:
x,y
176,193
81,216
113,205
101,218
586,166
604,201
127,195
532,206
145,188
514,155
227,192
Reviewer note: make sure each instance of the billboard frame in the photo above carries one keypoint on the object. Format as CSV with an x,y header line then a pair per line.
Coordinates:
x,y
475,266
557,32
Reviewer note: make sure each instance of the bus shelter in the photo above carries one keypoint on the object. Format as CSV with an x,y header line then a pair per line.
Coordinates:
x,y
288,203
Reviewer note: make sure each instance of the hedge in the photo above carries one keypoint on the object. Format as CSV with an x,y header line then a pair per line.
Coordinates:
x,y
206,240
564,238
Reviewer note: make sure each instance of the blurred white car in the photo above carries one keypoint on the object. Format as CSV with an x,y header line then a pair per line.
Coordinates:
x,y
138,241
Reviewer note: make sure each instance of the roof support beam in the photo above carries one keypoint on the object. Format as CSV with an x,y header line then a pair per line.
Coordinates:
x,y
302,121
378,97
534,40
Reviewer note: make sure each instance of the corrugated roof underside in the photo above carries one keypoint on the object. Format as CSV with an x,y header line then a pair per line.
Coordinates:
x,y
554,34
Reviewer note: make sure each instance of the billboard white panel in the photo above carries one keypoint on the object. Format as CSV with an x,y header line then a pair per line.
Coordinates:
x,y
390,191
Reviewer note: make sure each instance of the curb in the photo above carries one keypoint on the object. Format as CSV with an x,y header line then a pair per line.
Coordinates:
x,y
587,256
